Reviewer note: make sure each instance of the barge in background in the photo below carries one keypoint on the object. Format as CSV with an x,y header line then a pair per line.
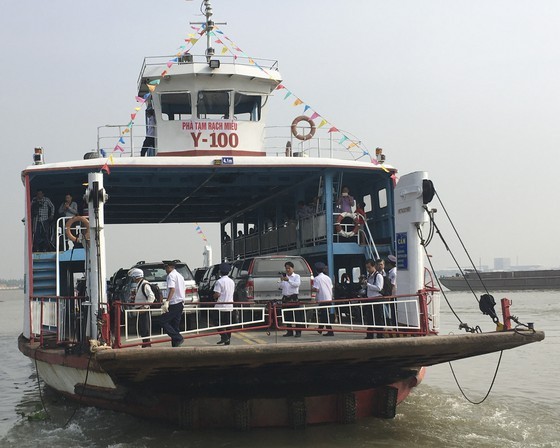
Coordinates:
x,y
212,166
503,280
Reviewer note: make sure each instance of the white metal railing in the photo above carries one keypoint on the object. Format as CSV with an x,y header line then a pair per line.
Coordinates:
x,y
203,320
189,58
399,314
65,317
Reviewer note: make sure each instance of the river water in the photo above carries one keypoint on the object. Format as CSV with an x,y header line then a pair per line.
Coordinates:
x,y
523,409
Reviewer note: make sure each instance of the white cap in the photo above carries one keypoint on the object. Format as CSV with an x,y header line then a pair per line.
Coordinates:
x,y
136,273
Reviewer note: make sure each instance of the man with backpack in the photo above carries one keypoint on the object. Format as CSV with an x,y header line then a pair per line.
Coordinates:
x,y
144,294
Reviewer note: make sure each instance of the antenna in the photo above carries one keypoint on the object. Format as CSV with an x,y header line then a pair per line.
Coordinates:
x,y
209,26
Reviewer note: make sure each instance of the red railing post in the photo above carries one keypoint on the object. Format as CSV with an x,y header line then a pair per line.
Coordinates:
x,y
423,308
506,303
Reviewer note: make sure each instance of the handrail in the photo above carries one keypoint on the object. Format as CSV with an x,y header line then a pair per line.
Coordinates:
x,y
407,315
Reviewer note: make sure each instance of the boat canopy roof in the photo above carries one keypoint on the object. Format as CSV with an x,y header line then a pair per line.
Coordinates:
x,y
203,189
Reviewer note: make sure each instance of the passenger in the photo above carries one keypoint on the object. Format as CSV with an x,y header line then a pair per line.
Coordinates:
x,y
226,238
361,221
239,233
303,211
289,284
42,215
374,287
392,275
144,294
149,145
68,209
223,292
345,202
322,285
172,308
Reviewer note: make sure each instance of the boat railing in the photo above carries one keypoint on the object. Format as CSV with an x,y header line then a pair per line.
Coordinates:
x,y
406,315
304,232
161,63
62,319
321,145
198,320
280,141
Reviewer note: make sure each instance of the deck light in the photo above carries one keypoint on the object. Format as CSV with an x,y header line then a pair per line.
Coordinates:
x,y
38,156
214,63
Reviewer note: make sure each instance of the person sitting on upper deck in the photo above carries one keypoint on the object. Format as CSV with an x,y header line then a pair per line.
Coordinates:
x,y
148,147
345,202
303,211
68,209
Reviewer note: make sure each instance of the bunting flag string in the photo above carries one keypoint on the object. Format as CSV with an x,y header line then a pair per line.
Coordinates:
x,y
233,48
151,85
200,232
344,140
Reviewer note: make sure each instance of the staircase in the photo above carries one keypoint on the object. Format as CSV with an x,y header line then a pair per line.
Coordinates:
x,y
44,274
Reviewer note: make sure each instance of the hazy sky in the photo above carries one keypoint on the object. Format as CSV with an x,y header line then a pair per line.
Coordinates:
x,y
466,90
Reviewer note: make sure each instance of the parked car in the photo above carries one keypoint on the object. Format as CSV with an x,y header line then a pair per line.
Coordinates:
x,y
199,274
206,285
257,279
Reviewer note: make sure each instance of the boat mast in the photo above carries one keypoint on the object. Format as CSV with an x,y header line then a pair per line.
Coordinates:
x,y
208,28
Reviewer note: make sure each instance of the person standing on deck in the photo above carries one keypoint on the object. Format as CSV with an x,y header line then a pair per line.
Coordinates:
x,y
223,292
392,273
172,308
148,147
289,283
322,285
373,289
144,294
42,213
391,263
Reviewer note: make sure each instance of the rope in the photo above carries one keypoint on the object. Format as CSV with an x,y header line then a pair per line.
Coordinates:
x,y
489,389
40,390
462,244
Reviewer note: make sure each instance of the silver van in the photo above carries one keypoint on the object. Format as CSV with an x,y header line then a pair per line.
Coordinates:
x,y
257,279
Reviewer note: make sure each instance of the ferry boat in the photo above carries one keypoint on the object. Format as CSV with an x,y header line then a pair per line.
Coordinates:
x,y
211,163
503,280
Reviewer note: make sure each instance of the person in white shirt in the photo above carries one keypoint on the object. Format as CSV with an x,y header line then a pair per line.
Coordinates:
x,y
374,287
391,263
322,285
223,293
289,284
172,308
144,294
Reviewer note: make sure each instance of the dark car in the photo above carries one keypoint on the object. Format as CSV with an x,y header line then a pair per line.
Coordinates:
x,y
199,274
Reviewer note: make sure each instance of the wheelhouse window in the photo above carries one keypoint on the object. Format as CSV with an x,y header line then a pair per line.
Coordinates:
x,y
247,107
176,106
382,196
213,105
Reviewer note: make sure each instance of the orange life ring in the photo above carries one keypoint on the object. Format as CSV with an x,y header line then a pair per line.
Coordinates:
x,y
297,121
344,233
71,221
